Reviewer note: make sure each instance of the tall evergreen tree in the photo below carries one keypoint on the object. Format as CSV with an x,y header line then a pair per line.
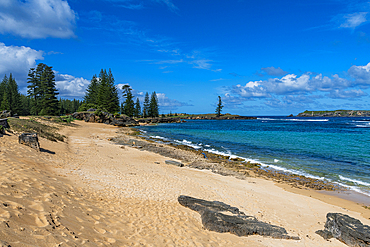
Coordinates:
x,y
91,95
26,105
3,87
128,104
146,105
9,95
14,96
107,93
219,107
137,111
42,90
153,106
103,90
4,105
113,94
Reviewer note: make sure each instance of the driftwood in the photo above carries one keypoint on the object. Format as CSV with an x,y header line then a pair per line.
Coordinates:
x,y
220,217
346,229
29,139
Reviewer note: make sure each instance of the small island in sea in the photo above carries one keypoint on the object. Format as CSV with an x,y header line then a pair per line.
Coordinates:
x,y
336,113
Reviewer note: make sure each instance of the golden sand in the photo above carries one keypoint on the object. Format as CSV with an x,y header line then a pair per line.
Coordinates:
x,y
91,192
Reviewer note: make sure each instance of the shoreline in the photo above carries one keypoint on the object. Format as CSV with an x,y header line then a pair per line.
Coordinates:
x,y
324,187
98,192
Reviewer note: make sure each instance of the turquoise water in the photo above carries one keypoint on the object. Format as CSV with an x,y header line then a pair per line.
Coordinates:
x,y
336,149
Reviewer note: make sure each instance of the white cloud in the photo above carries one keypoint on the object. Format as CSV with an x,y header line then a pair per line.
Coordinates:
x,y
361,74
70,86
169,4
170,61
201,64
37,18
349,94
18,60
353,20
166,103
274,71
292,91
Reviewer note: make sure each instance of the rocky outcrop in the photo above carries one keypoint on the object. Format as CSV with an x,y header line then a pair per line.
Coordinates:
x,y
220,217
159,120
346,229
337,113
5,114
102,117
121,121
4,124
223,117
29,139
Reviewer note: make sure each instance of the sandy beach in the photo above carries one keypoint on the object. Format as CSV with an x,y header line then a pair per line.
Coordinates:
x,y
88,191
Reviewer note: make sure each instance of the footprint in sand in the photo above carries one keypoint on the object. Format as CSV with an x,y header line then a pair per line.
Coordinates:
x,y
37,206
40,220
100,230
4,214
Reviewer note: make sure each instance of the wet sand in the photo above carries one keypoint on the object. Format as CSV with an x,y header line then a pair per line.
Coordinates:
x,y
91,192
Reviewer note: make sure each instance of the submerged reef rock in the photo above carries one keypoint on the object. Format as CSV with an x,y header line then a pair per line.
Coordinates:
x,y
220,217
29,139
346,229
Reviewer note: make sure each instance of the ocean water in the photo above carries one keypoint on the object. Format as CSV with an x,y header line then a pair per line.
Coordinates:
x,y
335,149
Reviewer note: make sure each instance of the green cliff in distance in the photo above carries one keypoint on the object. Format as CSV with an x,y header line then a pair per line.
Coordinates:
x,y
336,113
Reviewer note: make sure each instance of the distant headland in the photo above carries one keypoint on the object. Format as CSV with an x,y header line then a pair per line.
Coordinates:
x,y
336,113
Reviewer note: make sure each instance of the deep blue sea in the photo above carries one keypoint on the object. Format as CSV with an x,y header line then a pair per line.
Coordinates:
x,y
336,149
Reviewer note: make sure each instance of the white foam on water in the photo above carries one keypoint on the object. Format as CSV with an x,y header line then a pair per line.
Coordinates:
x,y
188,143
354,181
158,137
354,188
367,125
293,119
276,160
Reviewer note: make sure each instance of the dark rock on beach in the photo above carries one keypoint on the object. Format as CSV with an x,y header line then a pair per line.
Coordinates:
x,y
29,139
346,229
220,217
175,163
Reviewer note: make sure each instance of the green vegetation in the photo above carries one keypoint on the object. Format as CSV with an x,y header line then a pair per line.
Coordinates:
x,y
102,93
336,113
128,106
42,91
153,110
34,125
146,105
10,98
219,107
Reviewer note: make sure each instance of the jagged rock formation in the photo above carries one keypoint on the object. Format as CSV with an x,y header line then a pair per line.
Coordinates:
x,y
337,113
220,217
346,229
29,139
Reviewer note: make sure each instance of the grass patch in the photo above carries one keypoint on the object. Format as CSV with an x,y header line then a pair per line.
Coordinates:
x,y
33,126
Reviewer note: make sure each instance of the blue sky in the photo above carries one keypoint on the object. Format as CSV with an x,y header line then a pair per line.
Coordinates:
x,y
262,57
